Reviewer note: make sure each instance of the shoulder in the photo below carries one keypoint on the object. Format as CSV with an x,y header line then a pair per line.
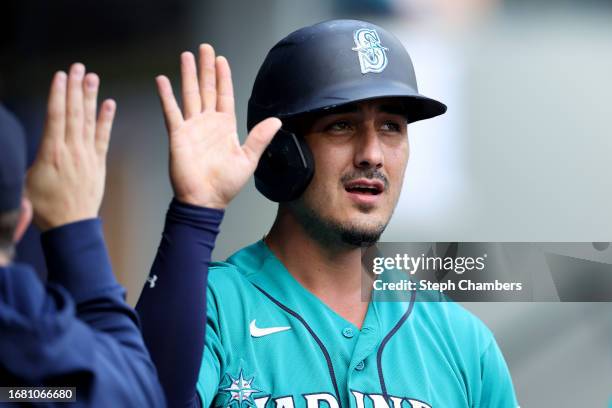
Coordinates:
x,y
239,266
232,276
223,276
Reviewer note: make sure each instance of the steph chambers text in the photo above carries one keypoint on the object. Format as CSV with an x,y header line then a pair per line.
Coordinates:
x,y
461,285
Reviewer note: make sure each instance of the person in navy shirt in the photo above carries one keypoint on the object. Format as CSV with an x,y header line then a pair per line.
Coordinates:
x,y
76,330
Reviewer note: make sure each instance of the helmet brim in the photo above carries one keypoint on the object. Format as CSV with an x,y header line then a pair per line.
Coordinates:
x,y
417,106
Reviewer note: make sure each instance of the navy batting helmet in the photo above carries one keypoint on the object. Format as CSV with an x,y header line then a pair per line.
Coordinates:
x,y
317,68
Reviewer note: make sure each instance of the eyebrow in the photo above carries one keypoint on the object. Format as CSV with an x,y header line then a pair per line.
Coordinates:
x,y
335,110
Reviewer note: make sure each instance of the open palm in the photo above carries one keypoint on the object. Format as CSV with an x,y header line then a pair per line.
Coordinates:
x,y
208,166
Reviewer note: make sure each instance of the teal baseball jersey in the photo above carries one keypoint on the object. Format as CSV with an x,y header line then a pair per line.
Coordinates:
x,y
271,343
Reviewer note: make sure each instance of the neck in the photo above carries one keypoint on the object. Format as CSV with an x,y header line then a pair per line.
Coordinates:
x,y
331,270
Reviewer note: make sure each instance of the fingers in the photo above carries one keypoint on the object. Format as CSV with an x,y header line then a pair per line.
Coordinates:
x,y
225,88
56,111
71,108
209,88
192,102
74,104
207,77
90,92
260,137
172,113
104,126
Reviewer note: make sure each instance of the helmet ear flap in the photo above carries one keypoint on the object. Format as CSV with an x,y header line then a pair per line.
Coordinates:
x,y
285,168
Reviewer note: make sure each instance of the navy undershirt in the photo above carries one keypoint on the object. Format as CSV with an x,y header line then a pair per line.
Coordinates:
x,y
172,306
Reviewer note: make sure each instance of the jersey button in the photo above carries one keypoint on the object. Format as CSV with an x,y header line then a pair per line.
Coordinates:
x,y
348,332
360,365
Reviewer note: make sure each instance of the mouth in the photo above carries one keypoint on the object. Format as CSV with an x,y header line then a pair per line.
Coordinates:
x,y
364,191
365,186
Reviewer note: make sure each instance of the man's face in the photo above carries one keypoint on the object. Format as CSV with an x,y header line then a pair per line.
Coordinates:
x,y
360,153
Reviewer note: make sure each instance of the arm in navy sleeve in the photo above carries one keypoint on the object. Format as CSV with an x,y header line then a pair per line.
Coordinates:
x,y
78,331
172,305
77,260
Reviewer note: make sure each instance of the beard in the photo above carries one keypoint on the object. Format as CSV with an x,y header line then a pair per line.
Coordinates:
x,y
330,232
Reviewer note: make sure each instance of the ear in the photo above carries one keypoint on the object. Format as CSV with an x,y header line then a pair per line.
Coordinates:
x,y
25,218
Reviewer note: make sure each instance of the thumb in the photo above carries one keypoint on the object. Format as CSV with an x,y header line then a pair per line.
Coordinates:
x,y
260,137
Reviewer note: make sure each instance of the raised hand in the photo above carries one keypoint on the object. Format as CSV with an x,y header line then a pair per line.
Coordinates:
x,y
66,181
208,166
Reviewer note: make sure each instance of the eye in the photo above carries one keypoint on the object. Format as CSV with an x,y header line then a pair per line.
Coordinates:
x,y
339,126
391,126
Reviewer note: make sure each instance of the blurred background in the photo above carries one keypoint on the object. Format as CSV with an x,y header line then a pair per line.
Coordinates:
x,y
523,153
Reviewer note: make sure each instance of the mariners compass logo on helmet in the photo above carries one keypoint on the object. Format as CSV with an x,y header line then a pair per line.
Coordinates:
x,y
372,56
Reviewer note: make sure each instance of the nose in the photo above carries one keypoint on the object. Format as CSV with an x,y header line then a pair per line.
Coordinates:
x,y
368,151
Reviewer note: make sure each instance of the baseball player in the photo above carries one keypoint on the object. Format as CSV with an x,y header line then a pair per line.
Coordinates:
x,y
285,324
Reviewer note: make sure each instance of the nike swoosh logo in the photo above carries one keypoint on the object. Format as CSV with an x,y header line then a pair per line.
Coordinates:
x,y
264,331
